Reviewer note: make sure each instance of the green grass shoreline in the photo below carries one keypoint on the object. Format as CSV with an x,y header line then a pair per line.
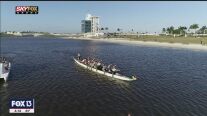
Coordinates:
x,y
165,39
145,38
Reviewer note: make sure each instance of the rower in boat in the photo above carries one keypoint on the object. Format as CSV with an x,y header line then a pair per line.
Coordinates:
x,y
83,61
99,67
104,68
94,63
88,61
114,70
79,56
109,68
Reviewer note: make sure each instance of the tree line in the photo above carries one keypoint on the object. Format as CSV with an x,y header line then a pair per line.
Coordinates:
x,y
182,30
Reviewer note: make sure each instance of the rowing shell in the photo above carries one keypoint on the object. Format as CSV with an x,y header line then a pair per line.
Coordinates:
x,y
117,76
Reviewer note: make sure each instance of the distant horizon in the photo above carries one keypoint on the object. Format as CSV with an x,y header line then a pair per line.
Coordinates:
x,y
66,16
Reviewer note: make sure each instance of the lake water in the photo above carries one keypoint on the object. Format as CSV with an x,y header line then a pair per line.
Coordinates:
x,y
173,82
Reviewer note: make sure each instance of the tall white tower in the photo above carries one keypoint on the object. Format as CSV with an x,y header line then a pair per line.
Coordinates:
x,y
95,24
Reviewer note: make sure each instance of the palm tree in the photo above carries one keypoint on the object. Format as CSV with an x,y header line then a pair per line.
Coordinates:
x,y
137,34
118,29
102,28
182,29
194,26
202,29
170,30
106,28
163,30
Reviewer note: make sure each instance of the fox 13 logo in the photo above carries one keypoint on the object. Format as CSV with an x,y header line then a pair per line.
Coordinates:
x,y
21,106
26,10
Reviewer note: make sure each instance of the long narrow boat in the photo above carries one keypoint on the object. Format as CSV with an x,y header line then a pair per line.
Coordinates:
x,y
117,76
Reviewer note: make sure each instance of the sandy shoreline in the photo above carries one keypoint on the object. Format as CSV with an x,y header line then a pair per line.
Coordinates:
x,y
147,43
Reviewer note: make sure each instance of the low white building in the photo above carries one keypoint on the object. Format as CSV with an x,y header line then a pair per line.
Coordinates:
x,y
93,34
9,32
17,34
14,33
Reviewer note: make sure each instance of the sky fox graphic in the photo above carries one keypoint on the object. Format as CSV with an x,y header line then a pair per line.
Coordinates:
x,y
26,9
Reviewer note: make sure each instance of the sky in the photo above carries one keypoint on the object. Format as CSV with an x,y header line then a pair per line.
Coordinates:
x,y
66,16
